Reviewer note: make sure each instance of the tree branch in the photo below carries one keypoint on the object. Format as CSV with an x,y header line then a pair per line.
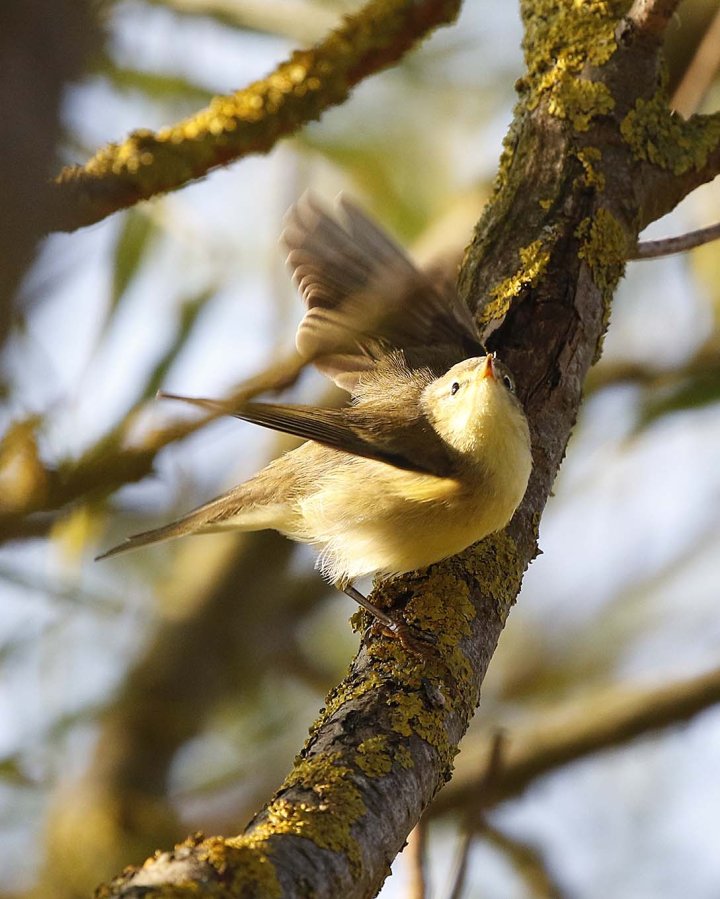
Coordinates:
x,y
416,852
611,718
700,73
294,19
651,17
525,860
249,121
652,249
680,155
106,466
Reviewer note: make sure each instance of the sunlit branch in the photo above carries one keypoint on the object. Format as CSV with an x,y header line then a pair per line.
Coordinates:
x,y
525,860
252,120
416,853
700,73
387,735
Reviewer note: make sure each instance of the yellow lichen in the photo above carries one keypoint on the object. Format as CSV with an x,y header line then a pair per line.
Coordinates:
x,y
563,43
589,158
575,99
372,756
534,259
254,871
403,756
447,613
497,562
345,692
655,134
333,805
604,248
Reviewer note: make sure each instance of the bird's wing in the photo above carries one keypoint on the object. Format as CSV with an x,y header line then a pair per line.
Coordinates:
x,y
412,446
364,296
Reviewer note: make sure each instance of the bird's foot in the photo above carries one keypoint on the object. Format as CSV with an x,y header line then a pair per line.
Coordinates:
x,y
413,639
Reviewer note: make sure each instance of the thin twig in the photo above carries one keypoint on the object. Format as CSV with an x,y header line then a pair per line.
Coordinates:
x,y
297,20
474,819
700,73
652,249
526,861
417,861
461,865
110,464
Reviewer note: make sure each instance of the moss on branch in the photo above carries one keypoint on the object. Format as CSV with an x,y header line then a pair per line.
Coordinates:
x,y
251,120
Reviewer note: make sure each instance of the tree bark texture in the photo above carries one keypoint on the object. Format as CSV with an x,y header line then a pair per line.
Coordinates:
x,y
592,156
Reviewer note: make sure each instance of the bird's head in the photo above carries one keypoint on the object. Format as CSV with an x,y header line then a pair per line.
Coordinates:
x,y
474,401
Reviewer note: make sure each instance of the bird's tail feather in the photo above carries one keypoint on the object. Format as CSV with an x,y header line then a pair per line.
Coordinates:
x,y
156,535
216,515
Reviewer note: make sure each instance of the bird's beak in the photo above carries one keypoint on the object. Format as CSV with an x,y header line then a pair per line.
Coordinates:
x,y
488,370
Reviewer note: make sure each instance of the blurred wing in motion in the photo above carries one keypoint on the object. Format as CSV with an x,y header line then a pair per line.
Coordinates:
x,y
364,296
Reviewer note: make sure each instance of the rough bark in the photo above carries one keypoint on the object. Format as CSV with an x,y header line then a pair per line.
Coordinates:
x,y
593,155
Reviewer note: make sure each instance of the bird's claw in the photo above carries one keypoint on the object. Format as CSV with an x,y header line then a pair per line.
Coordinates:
x,y
412,638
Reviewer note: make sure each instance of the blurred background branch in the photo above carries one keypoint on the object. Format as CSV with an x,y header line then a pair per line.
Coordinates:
x,y
299,21
249,121
567,732
61,34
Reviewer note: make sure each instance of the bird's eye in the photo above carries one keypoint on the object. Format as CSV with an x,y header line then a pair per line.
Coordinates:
x,y
509,383
454,389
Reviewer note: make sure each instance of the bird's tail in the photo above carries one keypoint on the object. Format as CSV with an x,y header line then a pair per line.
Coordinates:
x,y
156,535
232,511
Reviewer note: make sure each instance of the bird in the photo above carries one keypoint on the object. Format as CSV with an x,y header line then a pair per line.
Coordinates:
x,y
431,454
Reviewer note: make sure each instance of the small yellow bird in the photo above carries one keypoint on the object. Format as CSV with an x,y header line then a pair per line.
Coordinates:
x,y
433,453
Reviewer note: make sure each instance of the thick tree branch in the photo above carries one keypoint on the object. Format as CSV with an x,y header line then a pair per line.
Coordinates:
x,y
249,121
571,197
